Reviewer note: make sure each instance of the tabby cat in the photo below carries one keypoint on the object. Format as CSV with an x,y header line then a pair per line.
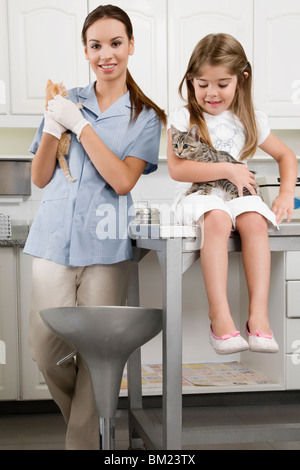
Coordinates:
x,y
52,90
189,145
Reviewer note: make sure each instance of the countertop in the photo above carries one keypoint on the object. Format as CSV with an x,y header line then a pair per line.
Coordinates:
x,y
155,231
18,237
20,232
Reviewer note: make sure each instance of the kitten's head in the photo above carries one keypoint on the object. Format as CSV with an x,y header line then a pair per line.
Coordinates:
x,y
54,89
186,143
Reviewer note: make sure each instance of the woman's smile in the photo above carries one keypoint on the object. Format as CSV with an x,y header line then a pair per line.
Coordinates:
x,y
108,68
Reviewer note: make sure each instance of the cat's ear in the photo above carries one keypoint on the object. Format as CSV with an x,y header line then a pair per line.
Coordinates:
x,y
174,130
49,88
194,132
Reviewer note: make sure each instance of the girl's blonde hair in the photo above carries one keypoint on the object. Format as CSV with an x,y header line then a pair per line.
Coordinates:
x,y
137,97
223,50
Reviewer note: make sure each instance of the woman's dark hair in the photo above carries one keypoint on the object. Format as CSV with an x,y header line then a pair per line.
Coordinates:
x,y
137,97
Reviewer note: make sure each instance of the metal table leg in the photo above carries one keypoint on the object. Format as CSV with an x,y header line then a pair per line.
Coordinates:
x,y
171,265
134,364
169,253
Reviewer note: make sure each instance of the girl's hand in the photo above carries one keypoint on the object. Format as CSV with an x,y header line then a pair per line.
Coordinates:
x,y
67,114
282,205
242,177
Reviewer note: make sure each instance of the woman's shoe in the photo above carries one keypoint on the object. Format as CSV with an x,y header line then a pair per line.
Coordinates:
x,y
228,344
259,342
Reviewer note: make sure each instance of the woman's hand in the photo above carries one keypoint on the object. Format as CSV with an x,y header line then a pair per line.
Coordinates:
x,y
51,126
283,205
67,114
241,177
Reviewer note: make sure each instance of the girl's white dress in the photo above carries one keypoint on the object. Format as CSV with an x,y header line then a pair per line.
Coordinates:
x,y
227,133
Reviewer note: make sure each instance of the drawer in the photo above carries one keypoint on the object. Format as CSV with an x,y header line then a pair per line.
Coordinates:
x,y
293,299
292,335
292,267
292,371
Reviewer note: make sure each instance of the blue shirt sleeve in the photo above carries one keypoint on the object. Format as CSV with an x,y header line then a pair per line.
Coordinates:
x,y
146,146
37,138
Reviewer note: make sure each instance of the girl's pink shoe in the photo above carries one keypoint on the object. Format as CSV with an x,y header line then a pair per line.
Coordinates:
x,y
259,342
228,344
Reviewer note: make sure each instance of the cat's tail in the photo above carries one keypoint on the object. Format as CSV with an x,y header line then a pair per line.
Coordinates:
x,y
62,150
63,164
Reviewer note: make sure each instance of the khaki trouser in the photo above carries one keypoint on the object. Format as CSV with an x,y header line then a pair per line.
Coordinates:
x,y
55,285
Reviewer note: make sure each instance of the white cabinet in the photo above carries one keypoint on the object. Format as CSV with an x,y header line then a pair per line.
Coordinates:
x,y
292,333
44,42
9,364
4,105
277,68
32,382
19,374
292,269
191,20
148,66
293,298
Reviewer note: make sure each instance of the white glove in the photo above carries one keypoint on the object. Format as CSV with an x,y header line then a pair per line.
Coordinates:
x,y
67,114
53,127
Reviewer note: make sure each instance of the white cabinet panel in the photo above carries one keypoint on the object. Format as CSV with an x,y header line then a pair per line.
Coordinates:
x,y
4,76
292,370
292,265
44,42
277,70
9,370
33,385
148,65
292,335
293,299
191,20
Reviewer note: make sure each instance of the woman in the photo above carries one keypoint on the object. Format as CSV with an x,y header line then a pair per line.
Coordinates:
x,y
79,238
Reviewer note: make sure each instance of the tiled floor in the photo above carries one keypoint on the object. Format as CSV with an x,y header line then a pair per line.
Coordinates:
x,y
46,431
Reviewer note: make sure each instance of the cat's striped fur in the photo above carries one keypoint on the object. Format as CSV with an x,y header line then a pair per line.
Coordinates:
x,y
189,145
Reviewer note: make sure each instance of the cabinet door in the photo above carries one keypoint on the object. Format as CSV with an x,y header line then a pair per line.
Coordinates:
x,y
148,65
45,42
33,385
9,368
277,68
191,20
3,59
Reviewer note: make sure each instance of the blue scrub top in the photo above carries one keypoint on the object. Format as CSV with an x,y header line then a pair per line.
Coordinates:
x,y
85,222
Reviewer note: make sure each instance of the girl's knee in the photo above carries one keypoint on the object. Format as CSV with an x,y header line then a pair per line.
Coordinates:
x,y
251,222
217,222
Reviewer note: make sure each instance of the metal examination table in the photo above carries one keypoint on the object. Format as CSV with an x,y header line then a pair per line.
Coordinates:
x,y
177,249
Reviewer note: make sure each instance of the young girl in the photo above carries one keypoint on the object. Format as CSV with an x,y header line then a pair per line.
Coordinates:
x,y
219,82
78,259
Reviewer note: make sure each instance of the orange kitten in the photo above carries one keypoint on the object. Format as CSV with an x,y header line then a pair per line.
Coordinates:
x,y
52,90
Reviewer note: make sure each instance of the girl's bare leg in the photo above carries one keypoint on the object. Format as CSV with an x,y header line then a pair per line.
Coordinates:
x,y
253,229
214,261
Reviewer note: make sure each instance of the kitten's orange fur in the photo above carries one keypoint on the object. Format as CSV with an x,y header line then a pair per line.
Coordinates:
x,y
52,90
